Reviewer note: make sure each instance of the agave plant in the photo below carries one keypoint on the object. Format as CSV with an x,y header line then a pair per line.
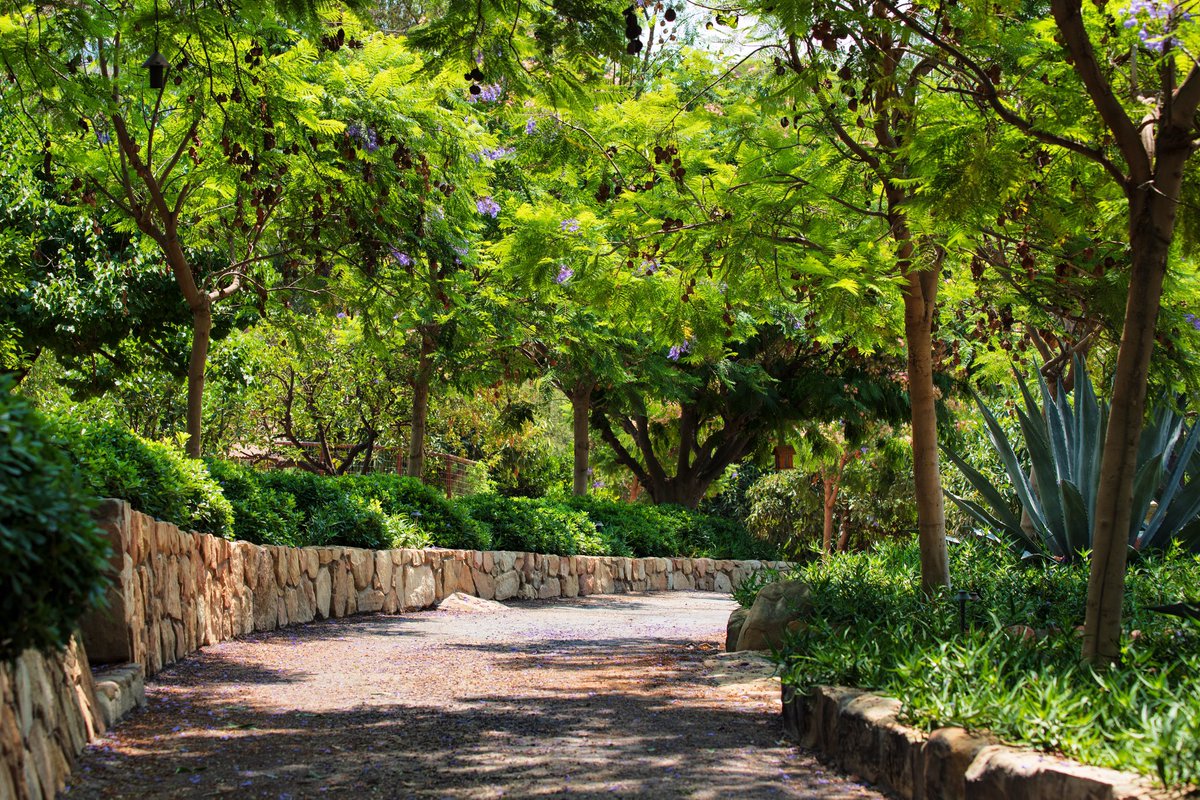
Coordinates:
x,y
1064,439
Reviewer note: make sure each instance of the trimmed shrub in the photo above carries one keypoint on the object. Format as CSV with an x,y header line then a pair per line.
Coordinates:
x,y
261,514
535,526
642,530
52,554
349,522
446,524
155,478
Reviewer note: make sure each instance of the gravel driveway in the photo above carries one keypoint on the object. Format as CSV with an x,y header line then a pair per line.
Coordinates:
x,y
595,697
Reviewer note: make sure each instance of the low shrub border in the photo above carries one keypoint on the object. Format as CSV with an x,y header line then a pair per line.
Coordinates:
x,y
861,733
1010,663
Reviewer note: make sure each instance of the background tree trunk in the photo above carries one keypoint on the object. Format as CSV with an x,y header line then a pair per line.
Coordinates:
x,y
201,336
920,294
415,464
581,401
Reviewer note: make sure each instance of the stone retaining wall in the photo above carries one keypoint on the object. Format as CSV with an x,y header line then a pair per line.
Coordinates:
x,y
860,733
174,591
48,712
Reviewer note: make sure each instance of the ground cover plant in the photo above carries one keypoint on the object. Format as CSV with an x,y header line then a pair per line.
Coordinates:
x,y
1016,670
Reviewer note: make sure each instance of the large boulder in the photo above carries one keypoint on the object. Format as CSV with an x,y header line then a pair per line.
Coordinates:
x,y
733,628
777,606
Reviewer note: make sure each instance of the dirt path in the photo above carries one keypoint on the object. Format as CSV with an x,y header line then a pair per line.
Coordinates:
x,y
595,697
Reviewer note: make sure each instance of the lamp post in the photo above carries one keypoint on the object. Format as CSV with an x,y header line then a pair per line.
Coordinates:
x,y
962,597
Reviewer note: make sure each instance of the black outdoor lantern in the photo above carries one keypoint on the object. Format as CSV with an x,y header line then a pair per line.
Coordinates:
x,y
157,64
962,597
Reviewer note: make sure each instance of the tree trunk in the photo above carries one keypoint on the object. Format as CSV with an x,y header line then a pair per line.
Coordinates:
x,y
831,493
201,335
581,401
1151,227
686,492
920,296
421,382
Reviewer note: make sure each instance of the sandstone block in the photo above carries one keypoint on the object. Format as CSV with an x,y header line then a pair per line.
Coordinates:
x,y
551,588
420,590
370,600
776,605
323,591
507,584
733,628
343,590
947,753
485,585
383,570
362,565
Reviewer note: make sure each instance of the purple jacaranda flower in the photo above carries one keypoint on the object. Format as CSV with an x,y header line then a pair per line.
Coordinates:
x,y
497,153
1193,320
569,225
402,258
488,207
341,315
487,94
679,349
530,126
564,274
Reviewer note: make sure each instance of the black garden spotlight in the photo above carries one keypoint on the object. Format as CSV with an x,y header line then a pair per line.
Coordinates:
x,y
962,597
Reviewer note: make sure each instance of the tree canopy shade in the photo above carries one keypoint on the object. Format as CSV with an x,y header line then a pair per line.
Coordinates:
x,y
729,405
266,158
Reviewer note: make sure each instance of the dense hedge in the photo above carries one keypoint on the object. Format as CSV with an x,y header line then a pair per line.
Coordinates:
x,y
378,511
155,478
536,525
52,554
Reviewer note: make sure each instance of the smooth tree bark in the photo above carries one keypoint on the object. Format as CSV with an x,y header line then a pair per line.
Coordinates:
x,y
581,405
1151,154
160,219
422,381
893,117
831,484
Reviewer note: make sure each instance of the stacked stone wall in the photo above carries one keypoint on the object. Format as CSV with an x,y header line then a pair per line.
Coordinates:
x,y
176,591
173,591
48,712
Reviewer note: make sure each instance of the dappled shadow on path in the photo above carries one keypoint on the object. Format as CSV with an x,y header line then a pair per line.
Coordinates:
x,y
603,745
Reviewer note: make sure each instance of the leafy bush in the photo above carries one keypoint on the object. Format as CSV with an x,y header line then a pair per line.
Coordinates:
x,y
261,514
1064,440
445,523
785,510
640,529
349,522
1017,670
637,528
52,554
156,478
732,501
535,525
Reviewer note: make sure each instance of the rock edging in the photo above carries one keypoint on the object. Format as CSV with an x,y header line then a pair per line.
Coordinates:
x,y
860,732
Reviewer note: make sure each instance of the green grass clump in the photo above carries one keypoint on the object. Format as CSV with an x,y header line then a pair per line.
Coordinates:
x,y
1017,671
